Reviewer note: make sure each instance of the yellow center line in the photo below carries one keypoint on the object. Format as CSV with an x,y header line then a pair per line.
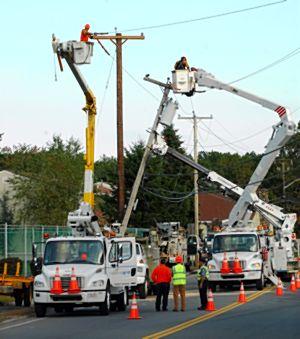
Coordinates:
x,y
202,318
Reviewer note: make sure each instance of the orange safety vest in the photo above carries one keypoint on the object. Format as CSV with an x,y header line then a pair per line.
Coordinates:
x,y
84,36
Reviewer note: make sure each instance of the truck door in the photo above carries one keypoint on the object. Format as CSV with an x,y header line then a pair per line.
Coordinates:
x,y
122,262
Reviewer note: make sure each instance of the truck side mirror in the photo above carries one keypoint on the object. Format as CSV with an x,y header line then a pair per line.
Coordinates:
x,y
120,253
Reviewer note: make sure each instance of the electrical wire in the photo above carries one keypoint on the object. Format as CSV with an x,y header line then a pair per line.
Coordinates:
x,y
208,17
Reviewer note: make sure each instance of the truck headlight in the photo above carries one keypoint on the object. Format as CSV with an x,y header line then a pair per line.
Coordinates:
x,y
211,267
39,284
98,283
256,265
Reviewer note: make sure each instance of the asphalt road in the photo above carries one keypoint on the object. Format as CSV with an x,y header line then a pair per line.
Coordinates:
x,y
266,316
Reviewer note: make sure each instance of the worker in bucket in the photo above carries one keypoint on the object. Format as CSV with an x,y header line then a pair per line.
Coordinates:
x,y
202,277
179,283
182,64
85,34
162,276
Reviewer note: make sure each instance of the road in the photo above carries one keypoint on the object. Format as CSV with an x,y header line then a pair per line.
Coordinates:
x,y
263,316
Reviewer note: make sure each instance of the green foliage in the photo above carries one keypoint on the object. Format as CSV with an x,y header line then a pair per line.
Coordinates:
x,y
6,214
49,180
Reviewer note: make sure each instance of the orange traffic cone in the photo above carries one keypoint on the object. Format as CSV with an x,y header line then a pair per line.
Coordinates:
x,y
236,265
298,280
293,284
279,289
225,266
210,302
73,285
134,311
242,295
57,286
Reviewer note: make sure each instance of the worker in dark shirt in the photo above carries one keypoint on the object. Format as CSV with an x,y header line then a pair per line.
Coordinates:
x,y
182,64
202,277
161,277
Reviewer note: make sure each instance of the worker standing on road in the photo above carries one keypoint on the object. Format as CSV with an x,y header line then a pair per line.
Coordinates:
x,y
179,282
202,277
162,276
85,34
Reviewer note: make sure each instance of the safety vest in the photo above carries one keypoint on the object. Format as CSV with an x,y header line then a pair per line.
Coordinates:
x,y
179,275
200,272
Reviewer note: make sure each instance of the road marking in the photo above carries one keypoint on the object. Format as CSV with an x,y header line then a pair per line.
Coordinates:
x,y
202,318
20,324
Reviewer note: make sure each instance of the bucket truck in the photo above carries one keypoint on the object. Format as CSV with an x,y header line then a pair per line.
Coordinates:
x,y
260,255
86,268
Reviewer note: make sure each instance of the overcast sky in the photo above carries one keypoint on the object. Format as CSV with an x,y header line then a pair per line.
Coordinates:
x,y
34,107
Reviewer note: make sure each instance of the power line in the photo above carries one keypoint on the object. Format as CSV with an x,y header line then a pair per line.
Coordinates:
x,y
272,64
208,17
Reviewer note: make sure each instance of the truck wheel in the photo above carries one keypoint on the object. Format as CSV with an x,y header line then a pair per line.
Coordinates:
x,y
260,283
105,306
40,310
18,297
122,301
142,290
27,291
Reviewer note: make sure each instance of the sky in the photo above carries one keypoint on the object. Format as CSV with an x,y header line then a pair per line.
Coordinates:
x,y
34,106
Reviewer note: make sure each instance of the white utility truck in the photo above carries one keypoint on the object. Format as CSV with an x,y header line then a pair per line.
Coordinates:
x,y
261,254
86,268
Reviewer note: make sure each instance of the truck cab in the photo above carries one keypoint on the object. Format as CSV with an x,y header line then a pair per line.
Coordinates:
x,y
246,246
104,269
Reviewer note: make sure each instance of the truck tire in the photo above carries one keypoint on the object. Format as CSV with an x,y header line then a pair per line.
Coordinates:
x,y
105,306
142,290
260,283
122,301
40,310
27,292
18,295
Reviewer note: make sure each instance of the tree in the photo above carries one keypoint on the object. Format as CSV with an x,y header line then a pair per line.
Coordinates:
x,y
6,215
50,180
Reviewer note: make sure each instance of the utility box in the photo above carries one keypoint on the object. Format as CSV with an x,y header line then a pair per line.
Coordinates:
x,y
168,113
183,81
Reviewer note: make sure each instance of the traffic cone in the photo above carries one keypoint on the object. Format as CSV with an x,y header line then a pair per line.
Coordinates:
x,y
242,295
56,287
134,311
236,265
73,285
210,302
298,280
279,289
225,266
293,284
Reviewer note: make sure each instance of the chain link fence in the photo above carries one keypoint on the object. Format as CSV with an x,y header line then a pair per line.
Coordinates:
x,y
16,241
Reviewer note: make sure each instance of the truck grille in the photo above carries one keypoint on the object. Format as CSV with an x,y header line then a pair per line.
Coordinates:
x,y
242,263
65,281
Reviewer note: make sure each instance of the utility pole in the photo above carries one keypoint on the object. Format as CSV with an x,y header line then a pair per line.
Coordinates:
x,y
118,39
195,119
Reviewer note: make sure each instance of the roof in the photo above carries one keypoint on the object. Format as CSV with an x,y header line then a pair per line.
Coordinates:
x,y
214,206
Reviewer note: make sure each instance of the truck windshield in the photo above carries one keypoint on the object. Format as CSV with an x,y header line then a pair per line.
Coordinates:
x,y
74,251
235,243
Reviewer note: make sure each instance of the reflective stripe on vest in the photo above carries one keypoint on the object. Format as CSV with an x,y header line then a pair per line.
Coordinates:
x,y
179,275
199,275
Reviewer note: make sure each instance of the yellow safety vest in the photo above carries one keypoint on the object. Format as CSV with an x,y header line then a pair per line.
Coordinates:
x,y
179,275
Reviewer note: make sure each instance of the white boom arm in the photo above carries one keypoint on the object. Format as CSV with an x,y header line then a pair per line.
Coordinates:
x,y
185,82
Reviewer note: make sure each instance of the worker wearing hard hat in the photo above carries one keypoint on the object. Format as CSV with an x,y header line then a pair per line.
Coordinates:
x,y
179,283
85,34
202,277
162,276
